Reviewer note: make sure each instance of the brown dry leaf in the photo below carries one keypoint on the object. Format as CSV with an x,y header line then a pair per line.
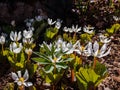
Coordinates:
x,y
116,78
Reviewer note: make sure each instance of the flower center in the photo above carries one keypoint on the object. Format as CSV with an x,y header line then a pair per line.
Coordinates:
x,y
21,79
55,59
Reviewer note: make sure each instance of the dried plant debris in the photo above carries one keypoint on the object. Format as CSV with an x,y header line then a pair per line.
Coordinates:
x,y
112,62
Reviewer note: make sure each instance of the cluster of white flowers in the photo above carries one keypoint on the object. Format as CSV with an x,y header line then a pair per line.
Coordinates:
x,y
29,22
63,46
15,46
93,50
75,29
87,50
57,23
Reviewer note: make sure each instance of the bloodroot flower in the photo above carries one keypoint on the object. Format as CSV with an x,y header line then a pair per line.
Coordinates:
x,y
21,81
50,21
14,36
2,39
16,48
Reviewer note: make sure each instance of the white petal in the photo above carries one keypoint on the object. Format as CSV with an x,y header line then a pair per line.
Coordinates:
x,y
105,53
15,36
19,74
14,45
65,29
17,50
28,84
14,76
12,35
89,48
96,46
103,48
26,75
19,83
78,51
19,36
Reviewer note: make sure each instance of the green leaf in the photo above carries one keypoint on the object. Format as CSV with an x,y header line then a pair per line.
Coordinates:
x,y
41,55
61,65
5,52
100,69
94,77
50,76
19,65
10,59
84,74
87,77
81,83
67,59
32,68
48,68
41,60
22,58
51,32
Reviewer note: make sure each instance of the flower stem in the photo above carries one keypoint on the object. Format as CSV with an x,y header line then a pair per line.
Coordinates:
x,y
21,87
2,48
53,87
94,62
28,58
72,75
74,36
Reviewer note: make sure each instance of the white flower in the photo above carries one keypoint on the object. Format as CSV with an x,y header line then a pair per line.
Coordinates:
x,y
21,80
63,46
13,23
39,18
58,24
70,30
28,41
29,22
15,48
14,36
2,39
88,52
28,51
55,59
31,29
88,29
65,29
104,39
27,34
81,50
50,22
75,28
116,18
102,52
